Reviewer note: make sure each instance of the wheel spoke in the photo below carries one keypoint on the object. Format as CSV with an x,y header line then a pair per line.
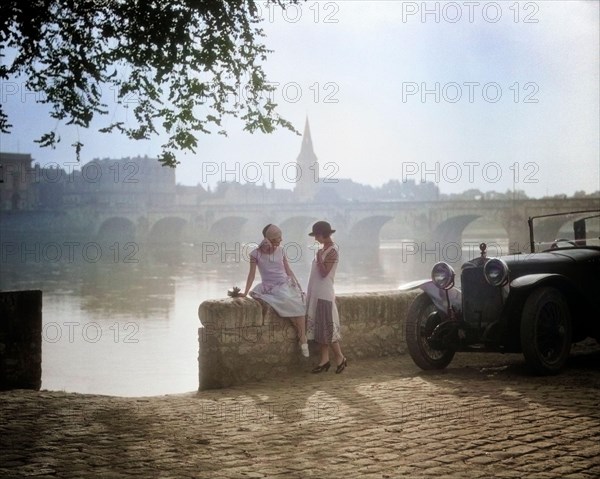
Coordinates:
x,y
421,335
425,333
550,331
546,330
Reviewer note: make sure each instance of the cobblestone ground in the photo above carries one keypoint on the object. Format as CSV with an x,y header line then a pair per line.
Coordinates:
x,y
484,417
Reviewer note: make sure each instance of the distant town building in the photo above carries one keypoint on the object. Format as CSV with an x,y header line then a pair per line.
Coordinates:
x,y
133,182
26,187
233,192
191,195
16,182
142,182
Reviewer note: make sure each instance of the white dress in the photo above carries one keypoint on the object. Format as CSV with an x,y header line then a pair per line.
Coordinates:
x,y
277,288
322,320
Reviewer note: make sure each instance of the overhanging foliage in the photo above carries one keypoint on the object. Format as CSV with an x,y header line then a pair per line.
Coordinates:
x,y
180,65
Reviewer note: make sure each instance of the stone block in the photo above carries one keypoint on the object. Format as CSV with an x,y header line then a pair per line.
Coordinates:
x,y
20,340
230,313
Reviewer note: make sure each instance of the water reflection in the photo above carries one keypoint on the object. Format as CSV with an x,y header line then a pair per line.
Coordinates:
x,y
121,327
144,290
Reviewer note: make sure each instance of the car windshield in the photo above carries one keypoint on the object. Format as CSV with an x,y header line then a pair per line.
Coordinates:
x,y
564,230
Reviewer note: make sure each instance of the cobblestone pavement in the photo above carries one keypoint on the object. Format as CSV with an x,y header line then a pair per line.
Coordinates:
x,y
484,416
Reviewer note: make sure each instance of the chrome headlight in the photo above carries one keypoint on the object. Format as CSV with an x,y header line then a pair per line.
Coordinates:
x,y
495,272
442,275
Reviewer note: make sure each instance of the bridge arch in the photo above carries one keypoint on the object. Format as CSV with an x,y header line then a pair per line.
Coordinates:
x,y
116,228
489,230
228,228
167,230
451,229
296,229
366,231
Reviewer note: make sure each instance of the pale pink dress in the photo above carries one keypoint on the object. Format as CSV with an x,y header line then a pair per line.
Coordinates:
x,y
277,288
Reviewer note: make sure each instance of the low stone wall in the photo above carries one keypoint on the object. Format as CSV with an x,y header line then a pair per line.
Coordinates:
x,y
20,340
245,340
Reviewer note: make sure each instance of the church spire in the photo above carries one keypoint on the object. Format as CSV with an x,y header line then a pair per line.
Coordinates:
x,y
307,139
308,168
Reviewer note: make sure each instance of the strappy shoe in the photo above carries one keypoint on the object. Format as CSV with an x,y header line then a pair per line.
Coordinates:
x,y
321,367
341,366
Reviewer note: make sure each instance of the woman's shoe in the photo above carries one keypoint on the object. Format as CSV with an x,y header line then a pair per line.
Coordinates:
x,y
304,349
321,367
341,366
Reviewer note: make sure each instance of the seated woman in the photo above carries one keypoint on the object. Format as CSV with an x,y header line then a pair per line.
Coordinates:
x,y
279,287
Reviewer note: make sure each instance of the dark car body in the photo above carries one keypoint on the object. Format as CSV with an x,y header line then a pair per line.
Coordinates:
x,y
537,303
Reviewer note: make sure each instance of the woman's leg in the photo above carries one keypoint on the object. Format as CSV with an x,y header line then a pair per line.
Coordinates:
x,y
300,325
339,357
324,353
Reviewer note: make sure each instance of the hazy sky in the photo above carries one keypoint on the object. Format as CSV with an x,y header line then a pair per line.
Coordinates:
x,y
487,95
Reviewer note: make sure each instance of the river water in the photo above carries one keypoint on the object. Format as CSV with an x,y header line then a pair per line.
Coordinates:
x,y
131,328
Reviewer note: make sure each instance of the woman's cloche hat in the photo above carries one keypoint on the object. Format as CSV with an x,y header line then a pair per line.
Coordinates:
x,y
321,228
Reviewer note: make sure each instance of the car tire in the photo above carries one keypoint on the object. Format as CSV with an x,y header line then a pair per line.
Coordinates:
x,y
546,330
416,334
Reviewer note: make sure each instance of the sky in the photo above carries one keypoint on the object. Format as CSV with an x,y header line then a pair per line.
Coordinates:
x,y
487,95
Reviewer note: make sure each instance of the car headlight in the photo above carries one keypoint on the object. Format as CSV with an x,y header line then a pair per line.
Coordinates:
x,y
442,275
496,272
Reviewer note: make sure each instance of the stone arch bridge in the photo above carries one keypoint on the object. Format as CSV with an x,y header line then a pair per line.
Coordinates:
x,y
358,224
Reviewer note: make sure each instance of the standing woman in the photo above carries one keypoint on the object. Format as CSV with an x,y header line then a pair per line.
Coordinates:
x,y
279,287
323,322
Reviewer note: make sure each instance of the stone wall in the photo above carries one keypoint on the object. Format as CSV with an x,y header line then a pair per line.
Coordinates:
x,y
245,340
20,340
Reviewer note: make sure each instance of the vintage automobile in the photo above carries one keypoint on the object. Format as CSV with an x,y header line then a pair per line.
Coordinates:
x,y
537,303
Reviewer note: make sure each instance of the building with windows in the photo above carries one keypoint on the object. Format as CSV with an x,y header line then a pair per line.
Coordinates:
x,y
16,182
127,182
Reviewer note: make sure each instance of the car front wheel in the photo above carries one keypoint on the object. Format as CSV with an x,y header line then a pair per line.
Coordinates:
x,y
546,331
420,323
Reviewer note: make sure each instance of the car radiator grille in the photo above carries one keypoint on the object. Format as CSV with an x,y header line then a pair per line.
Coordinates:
x,y
482,303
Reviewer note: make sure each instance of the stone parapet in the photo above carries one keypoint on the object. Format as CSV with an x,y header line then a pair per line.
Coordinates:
x,y
244,340
20,340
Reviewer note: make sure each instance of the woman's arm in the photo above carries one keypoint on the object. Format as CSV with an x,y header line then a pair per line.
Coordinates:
x,y
251,275
325,263
289,271
287,268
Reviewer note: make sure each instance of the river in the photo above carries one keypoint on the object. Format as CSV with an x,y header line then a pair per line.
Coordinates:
x,y
130,328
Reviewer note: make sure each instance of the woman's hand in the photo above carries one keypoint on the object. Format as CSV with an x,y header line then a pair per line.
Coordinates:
x,y
320,256
325,263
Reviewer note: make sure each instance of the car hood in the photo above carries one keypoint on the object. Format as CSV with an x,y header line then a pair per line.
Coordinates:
x,y
559,256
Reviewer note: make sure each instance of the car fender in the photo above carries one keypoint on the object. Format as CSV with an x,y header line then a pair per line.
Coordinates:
x,y
437,295
524,284
531,280
413,285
